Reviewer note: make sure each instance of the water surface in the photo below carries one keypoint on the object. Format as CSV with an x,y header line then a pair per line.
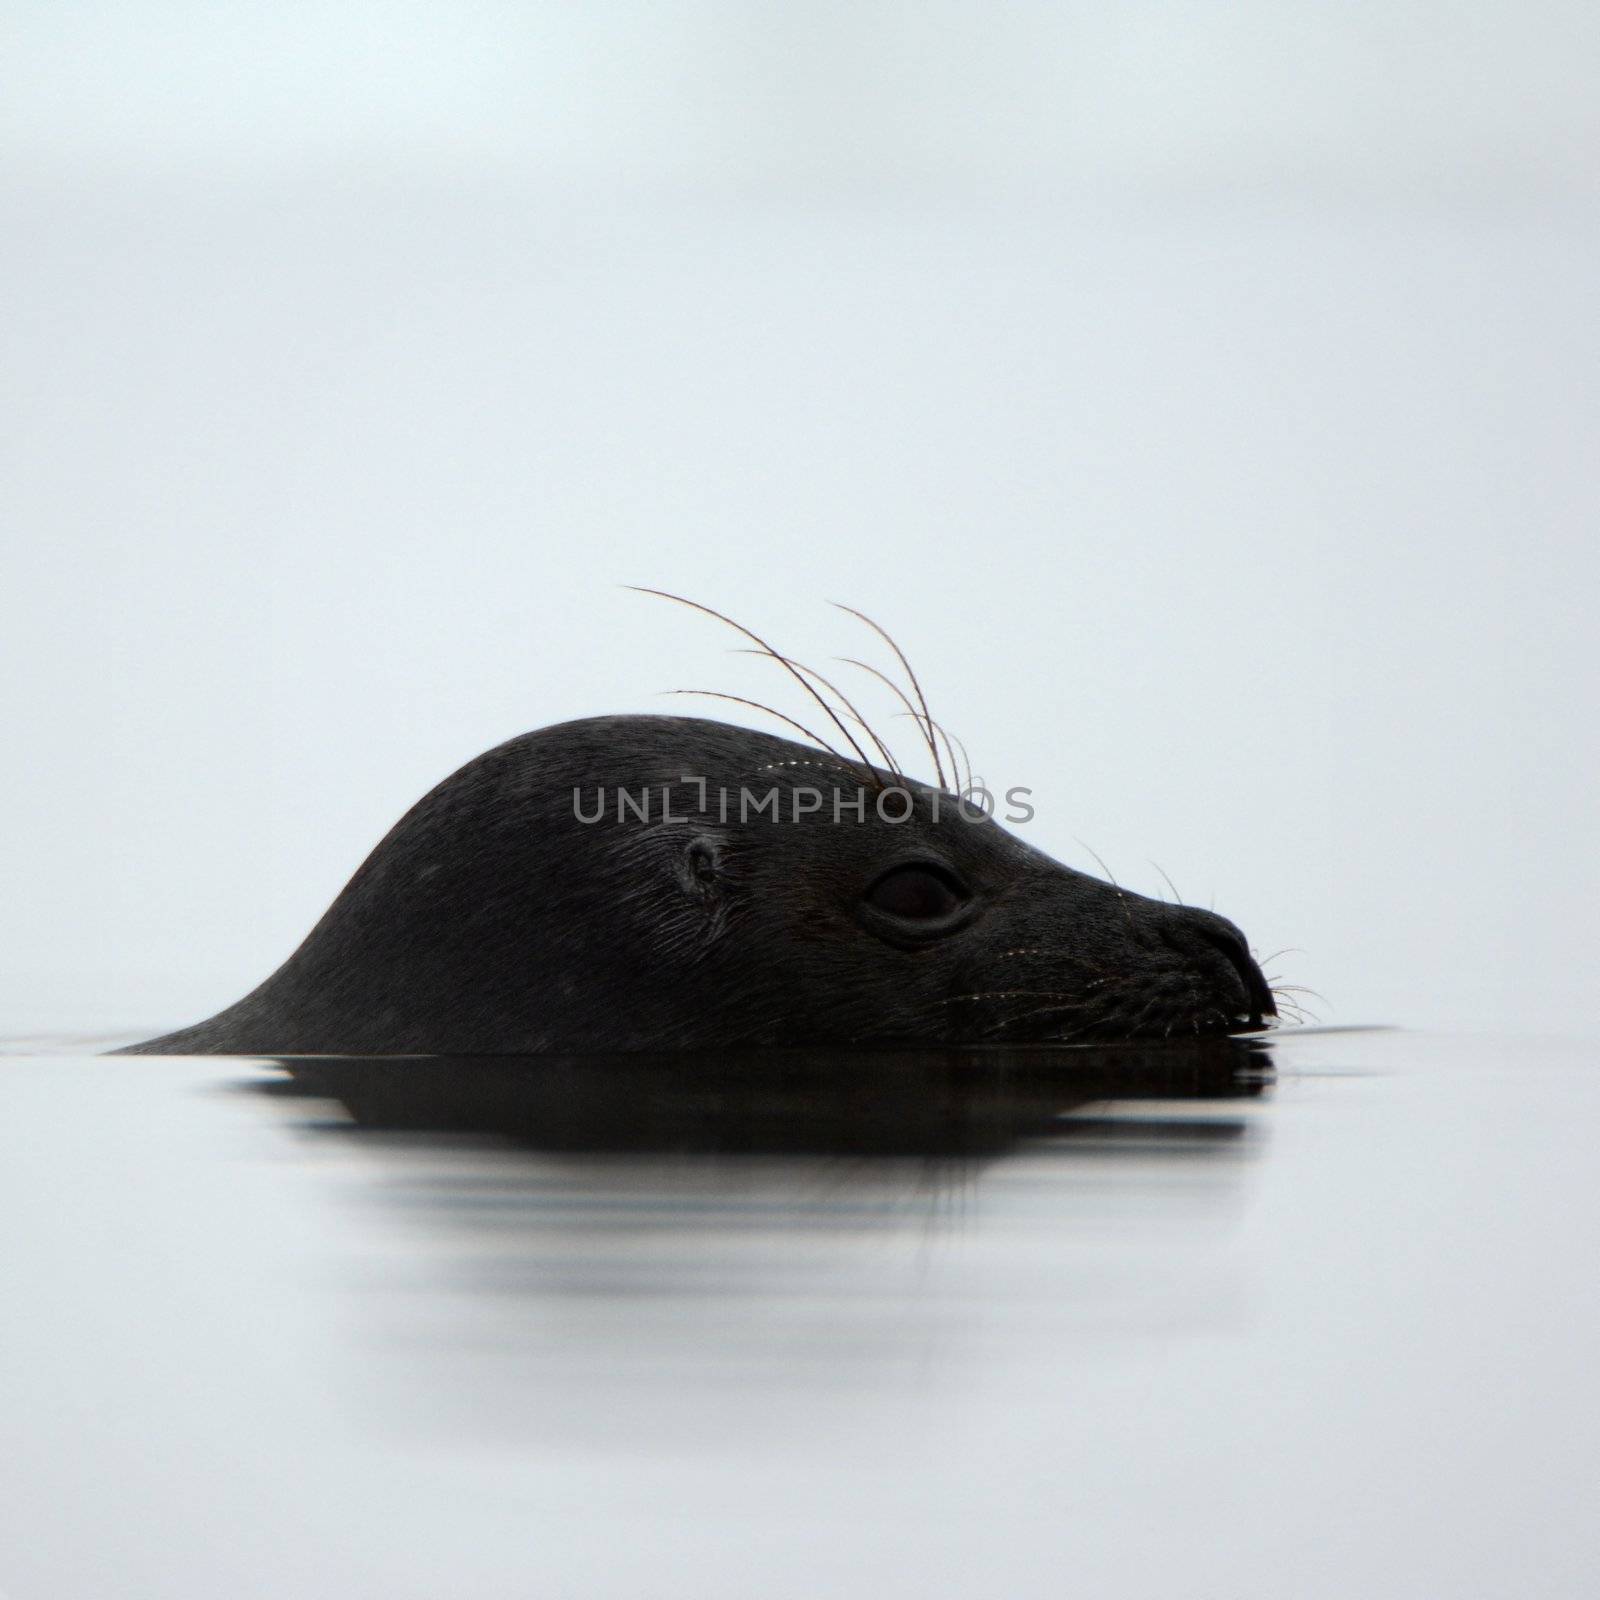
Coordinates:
x,y
1314,1319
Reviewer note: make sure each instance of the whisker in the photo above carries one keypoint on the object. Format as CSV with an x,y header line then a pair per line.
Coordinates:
x,y
943,733
755,638
1112,877
1282,998
1288,950
844,699
1005,994
1300,988
1063,1009
1073,963
1177,897
756,705
900,656
1141,1014
966,759
1297,1013
1283,1002
911,710
927,726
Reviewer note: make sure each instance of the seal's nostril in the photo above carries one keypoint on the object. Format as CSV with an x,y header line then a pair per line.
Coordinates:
x,y
1222,937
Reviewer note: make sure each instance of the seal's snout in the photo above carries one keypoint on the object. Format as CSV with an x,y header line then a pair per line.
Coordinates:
x,y
1206,934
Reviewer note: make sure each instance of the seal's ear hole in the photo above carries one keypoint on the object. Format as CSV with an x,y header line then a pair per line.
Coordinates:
x,y
918,892
700,869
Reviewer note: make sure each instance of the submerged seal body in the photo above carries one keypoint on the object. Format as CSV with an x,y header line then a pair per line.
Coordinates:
x,y
660,883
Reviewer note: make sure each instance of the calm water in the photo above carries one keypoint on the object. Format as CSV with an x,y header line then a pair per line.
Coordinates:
x,y
1314,1320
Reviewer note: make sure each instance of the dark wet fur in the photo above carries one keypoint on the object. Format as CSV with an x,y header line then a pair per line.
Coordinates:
x,y
491,920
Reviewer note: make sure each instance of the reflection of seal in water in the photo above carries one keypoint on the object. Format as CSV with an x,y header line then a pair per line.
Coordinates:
x,y
495,918
929,1100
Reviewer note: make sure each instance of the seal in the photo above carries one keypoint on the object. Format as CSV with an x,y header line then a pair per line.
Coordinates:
x,y
666,883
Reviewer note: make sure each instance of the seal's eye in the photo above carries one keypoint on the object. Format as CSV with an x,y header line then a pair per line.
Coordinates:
x,y
917,893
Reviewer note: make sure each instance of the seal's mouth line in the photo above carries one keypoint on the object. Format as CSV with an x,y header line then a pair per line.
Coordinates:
x,y
1172,1002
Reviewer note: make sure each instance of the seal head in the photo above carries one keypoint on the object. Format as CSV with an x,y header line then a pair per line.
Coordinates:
x,y
666,883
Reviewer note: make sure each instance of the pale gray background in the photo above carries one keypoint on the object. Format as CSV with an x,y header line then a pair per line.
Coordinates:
x,y
1206,395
